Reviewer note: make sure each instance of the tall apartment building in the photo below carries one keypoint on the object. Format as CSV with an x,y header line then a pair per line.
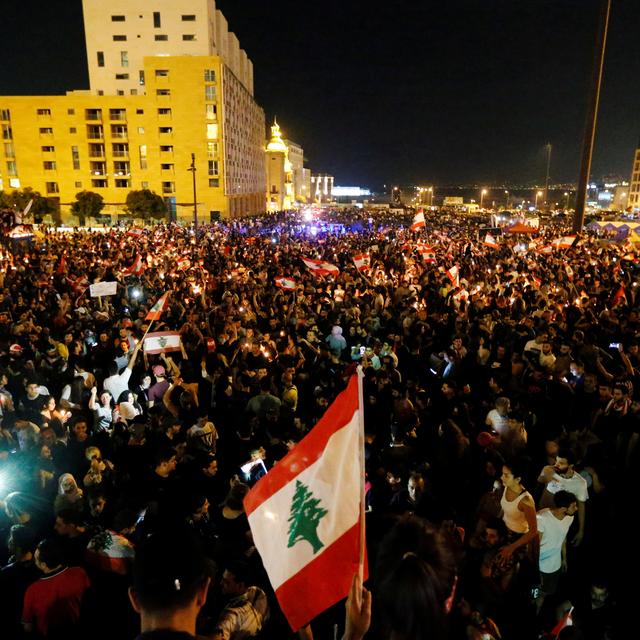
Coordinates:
x,y
633,199
167,79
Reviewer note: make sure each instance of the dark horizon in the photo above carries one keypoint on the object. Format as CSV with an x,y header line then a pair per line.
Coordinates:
x,y
428,94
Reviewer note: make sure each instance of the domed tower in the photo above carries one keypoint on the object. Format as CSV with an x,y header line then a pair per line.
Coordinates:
x,y
279,172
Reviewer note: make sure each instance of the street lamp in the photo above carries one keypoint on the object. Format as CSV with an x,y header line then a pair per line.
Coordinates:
x,y
506,193
566,204
538,194
192,168
483,193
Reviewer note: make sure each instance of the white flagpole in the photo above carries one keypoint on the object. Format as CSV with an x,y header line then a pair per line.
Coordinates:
x,y
360,374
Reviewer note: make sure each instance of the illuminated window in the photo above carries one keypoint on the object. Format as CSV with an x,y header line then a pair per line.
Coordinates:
x,y
143,156
211,111
124,58
212,130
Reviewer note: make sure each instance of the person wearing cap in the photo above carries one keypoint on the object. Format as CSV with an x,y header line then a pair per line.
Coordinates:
x,y
159,388
170,584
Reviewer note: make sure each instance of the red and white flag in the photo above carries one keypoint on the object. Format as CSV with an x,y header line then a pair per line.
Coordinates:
x,y
362,261
136,268
159,307
426,252
536,281
545,249
454,275
490,241
135,231
111,552
619,297
183,264
320,267
566,242
288,284
162,342
418,221
307,517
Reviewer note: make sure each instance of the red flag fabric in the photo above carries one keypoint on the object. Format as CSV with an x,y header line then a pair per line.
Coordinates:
x,y
306,514
159,307
362,261
619,297
418,221
288,284
454,275
490,241
62,265
426,252
320,267
136,268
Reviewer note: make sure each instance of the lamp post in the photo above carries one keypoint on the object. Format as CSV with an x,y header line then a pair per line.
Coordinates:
x,y
506,193
483,193
566,204
192,168
538,194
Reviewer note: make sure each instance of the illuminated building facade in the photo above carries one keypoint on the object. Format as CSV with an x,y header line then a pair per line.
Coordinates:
x,y
321,187
182,96
633,199
279,172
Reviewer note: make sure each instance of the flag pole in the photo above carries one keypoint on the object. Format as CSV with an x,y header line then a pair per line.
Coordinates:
x,y
360,374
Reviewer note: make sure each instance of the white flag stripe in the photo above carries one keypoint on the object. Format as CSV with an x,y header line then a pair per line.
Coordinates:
x,y
163,341
337,467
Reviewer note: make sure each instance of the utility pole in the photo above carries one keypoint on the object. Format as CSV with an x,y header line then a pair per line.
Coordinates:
x,y
592,117
548,147
192,168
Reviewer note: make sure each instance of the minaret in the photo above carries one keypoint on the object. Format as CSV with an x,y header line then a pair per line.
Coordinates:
x,y
279,171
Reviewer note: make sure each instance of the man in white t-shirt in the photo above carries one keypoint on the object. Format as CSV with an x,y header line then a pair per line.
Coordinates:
x,y
553,526
562,477
498,418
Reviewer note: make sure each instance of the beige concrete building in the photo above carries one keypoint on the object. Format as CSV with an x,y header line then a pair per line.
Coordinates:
x,y
296,159
633,199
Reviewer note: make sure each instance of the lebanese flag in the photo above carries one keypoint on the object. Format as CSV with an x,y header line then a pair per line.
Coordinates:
x,y
566,242
418,221
159,307
565,621
136,268
306,515
454,275
426,252
546,249
162,342
490,241
320,267
135,231
536,281
288,284
111,552
183,264
362,262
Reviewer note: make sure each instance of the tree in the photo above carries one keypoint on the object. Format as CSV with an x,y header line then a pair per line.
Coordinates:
x,y
146,204
87,205
17,200
305,517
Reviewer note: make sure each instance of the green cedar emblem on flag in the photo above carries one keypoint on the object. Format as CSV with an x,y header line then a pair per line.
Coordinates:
x,y
305,517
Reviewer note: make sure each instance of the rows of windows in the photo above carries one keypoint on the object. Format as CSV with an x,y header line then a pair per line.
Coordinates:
x,y
156,18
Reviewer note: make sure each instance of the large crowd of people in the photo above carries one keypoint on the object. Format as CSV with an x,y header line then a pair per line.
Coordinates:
x,y
501,387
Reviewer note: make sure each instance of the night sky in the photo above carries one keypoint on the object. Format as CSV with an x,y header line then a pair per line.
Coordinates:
x,y
442,92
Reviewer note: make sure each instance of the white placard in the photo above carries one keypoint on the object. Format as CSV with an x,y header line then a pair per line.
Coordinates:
x,y
103,289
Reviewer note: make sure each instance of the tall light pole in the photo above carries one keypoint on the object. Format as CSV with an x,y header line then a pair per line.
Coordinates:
x,y
538,194
592,118
483,193
192,168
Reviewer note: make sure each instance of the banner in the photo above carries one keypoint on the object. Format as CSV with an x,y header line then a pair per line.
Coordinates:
x,y
103,289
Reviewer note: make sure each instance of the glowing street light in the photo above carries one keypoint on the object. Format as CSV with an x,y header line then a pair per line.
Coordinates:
x,y
483,193
566,204
506,194
430,190
538,194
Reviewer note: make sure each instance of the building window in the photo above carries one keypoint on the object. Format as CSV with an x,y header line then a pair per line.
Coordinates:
x,y
72,130
122,183
210,93
124,58
165,129
144,184
95,132
100,56
78,184
98,168
163,92
161,37
46,131
156,19
189,18
117,18
44,112
141,130
168,187
166,148
212,150
122,76
12,168
47,149
162,73
211,111
166,166
9,151
93,114
213,167
49,165
5,114
120,150
164,112
75,157
188,37
118,130
71,112
209,75
141,78
117,114
139,112
100,92
96,150
52,187
134,92
214,182
142,150
99,184
7,132
212,131
121,168
120,92
120,38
